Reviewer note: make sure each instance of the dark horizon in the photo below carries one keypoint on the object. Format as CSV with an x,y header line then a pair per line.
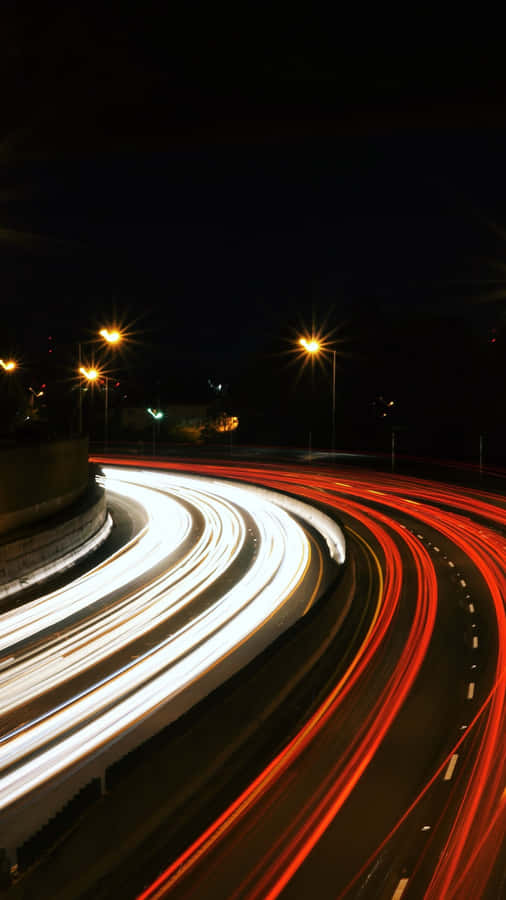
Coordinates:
x,y
218,201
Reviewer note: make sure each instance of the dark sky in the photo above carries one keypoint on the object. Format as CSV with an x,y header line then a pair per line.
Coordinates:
x,y
216,182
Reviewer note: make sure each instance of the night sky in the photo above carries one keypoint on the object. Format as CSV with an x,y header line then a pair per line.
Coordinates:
x,y
217,185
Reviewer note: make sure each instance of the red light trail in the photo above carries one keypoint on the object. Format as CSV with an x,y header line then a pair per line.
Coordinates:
x,y
471,521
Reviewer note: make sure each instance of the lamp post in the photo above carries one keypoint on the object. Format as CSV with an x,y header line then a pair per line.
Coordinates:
x,y
112,337
90,375
93,375
34,394
106,412
313,346
8,366
156,415
79,363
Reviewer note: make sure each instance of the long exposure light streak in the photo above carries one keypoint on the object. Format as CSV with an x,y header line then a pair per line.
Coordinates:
x,y
469,520
171,580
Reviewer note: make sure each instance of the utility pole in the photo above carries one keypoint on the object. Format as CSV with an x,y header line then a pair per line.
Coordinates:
x,y
80,389
106,413
333,441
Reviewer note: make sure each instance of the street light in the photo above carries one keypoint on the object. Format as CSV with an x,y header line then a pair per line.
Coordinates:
x,y
313,346
156,415
111,336
34,394
89,374
8,366
95,375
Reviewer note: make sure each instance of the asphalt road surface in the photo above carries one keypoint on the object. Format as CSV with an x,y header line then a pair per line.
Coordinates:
x,y
390,780
216,572
395,787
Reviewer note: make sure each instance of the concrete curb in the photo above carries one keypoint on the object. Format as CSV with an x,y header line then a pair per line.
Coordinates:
x,y
37,556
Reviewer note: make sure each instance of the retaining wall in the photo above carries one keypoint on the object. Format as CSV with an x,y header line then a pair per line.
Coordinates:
x,y
38,480
52,547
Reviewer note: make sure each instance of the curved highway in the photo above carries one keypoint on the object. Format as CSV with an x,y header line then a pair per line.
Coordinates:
x,y
215,573
395,785
392,784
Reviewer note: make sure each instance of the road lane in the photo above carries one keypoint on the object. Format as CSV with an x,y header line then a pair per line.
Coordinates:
x,y
355,802
216,573
461,533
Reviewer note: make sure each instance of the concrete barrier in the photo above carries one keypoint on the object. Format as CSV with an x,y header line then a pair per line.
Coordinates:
x,y
52,548
39,480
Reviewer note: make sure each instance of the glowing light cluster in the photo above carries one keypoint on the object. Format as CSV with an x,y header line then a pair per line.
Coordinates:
x,y
112,336
470,849
195,531
90,374
311,345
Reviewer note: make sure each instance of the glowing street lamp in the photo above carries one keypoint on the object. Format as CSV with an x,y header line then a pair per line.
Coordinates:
x,y
313,346
156,415
90,374
112,336
8,366
34,394
94,375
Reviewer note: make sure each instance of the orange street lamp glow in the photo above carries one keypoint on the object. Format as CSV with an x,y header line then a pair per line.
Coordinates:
x,y
311,346
89,374
112,337
8,366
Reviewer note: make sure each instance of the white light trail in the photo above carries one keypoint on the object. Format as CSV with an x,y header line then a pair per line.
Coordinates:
x,y
196,529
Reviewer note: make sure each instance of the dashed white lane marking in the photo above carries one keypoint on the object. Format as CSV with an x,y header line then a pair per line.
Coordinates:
x,y
475,642
470,690
471,607
450,563
463,583
436,549
426,827
401,887
451,767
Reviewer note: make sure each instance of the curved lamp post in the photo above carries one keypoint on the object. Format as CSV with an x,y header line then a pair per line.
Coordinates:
x,y
112,337
156,415
313,346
